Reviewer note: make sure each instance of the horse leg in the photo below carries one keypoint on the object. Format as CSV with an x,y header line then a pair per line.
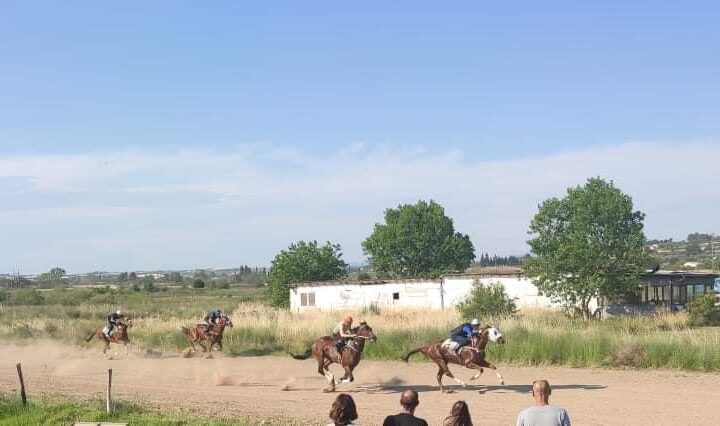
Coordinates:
x,y
125,344
441,372
348,377
328,375
492,367
202,346
469,363
450,374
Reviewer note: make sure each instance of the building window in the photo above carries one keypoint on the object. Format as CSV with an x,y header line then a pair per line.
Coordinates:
x,y
396,296
307,299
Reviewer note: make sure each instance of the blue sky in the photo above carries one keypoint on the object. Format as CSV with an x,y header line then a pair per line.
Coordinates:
x,y
164,135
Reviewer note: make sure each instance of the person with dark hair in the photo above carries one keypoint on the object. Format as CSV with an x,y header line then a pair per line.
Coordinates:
x,y
459,415
542,413
343,411
409,402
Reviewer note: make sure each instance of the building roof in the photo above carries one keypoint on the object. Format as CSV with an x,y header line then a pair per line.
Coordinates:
x,y
480,273
662,273
491,271
360,282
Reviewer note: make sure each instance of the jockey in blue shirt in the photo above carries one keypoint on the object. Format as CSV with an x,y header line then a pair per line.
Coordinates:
x,y
461,334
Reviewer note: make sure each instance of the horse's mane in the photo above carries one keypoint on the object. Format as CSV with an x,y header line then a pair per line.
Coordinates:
x,y
363,324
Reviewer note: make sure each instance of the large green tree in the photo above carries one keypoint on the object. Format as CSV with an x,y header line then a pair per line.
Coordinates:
x,y
303,261
417,240
586,244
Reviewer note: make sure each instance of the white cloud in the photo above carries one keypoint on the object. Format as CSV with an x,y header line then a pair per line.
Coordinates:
x,y
199,207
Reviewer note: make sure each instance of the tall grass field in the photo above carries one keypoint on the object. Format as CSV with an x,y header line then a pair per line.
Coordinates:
x,y
533,337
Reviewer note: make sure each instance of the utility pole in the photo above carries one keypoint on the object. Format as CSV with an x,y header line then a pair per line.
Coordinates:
x,y
712,250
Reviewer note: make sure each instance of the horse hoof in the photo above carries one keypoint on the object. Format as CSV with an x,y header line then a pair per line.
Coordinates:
x,y
328,390
502,383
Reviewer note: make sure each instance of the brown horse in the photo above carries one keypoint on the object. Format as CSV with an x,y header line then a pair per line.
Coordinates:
x,y
472,356
119,336
196,334
323,349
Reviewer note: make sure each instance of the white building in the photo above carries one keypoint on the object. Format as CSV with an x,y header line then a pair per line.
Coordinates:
x,y
442,293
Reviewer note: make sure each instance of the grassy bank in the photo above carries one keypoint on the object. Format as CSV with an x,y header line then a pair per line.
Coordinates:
x,y
58,412
533,338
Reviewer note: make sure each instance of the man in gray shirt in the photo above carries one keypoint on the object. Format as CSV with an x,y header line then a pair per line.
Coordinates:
x,y
543,414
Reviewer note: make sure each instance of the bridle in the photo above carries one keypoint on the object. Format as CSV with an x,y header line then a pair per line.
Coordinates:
x,y
351,344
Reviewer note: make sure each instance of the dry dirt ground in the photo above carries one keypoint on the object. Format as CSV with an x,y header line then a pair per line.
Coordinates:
x,y
283,388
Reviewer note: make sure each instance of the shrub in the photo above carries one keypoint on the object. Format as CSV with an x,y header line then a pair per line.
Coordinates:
x,y
487,301
220,284
198,283
630,354
703,311
26,297
3,295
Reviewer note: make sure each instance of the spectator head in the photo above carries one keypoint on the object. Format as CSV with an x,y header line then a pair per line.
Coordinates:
x,y
541,391
409,401
459,415
343,411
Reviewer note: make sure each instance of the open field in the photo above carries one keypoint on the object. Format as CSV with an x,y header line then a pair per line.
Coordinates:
x,y
274,388
533,338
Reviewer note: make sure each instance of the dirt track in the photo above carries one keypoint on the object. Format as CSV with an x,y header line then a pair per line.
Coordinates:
x,y
269,387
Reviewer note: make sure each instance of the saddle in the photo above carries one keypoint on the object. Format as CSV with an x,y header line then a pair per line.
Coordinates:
x,y
450,345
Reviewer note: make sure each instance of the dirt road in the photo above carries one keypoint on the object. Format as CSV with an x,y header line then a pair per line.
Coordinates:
x,y
269,387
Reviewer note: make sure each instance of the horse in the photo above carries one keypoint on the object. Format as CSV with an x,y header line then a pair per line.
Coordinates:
x,y
196,334
472,356
119,335
323,349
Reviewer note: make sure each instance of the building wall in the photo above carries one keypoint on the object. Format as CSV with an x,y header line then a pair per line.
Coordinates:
x,y
400,294
415,294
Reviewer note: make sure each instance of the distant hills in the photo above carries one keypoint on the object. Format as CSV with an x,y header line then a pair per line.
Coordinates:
x,y
694,253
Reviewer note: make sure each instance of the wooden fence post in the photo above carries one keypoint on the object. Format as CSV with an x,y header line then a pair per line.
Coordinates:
x,y
109,389
22,384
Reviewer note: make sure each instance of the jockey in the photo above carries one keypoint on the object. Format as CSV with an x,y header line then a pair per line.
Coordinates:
x,y
342,332
462,333
112,320
211,317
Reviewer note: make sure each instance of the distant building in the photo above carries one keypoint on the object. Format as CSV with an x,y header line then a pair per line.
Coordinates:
x,y
660,289
692,265
445,292
672,289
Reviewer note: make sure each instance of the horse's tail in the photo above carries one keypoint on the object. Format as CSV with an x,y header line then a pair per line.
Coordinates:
x,y
422,350
306,355
185,330
90,335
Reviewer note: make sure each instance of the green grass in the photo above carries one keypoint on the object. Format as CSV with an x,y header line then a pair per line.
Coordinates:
x,y
59,412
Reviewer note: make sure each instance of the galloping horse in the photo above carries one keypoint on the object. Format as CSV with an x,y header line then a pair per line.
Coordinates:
x,y
196,334
324,351
472,356
119,336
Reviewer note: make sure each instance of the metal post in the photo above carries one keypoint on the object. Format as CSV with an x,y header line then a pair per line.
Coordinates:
x,y
108,401
23,397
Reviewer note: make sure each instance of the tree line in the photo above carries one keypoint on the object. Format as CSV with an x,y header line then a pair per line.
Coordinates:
x,y
495,260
